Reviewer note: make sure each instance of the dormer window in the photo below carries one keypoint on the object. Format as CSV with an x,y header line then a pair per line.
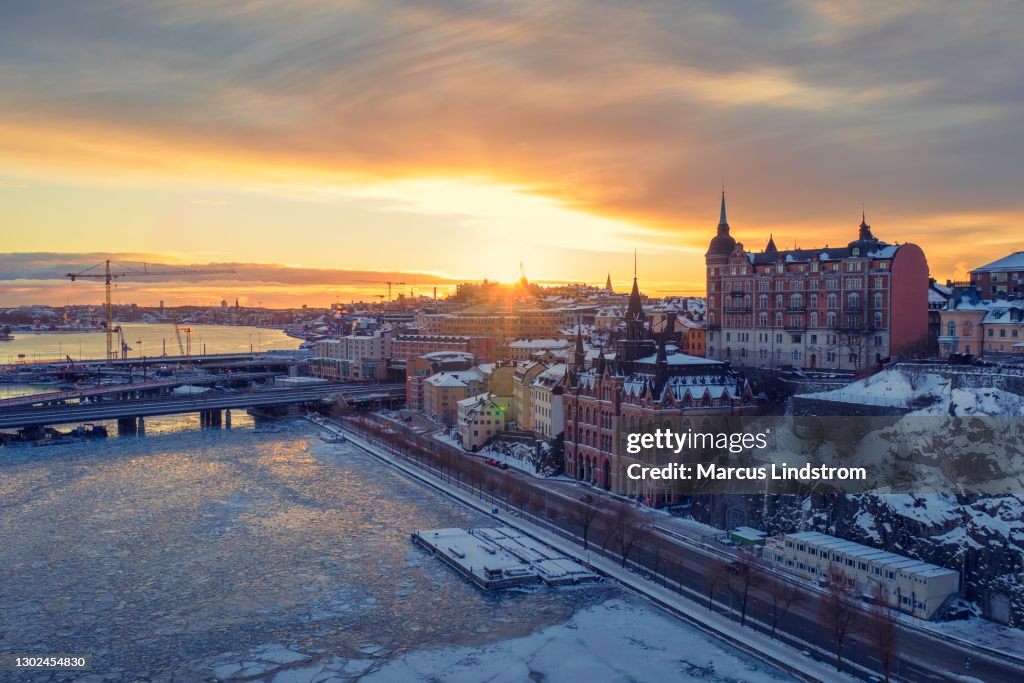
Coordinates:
x,y
856,251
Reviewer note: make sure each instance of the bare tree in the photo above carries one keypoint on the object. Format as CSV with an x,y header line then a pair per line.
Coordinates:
x,y
782,595
717,574
521,497
837,615
631,525
883,630
584,513
744,575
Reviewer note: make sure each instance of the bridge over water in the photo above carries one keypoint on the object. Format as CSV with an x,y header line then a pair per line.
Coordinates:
x,y
128,411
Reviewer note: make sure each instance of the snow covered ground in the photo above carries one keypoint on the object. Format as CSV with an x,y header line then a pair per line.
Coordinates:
x,y
926,393
618,640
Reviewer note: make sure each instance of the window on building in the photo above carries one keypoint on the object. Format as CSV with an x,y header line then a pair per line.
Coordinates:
x,y
814,318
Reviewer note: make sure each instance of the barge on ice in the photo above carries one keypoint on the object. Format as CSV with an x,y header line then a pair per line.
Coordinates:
x,y
502,557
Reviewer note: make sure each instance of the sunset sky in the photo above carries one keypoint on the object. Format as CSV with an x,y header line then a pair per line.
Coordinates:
x,y
325,147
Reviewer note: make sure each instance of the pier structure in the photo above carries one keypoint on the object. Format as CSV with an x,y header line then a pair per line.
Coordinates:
x,y
502,557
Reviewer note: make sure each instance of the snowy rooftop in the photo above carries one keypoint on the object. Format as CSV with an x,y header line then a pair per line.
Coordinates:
x,y
682,359
455,378
551,376
448,355
539,344
1014,261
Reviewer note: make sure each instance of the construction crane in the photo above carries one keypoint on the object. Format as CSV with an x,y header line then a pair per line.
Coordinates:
x,y
108,276
177,333
389,283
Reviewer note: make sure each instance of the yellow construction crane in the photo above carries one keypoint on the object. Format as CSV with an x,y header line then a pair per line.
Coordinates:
x,y
108,276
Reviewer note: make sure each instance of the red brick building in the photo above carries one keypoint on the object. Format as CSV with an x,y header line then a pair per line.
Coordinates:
x,y
843,307
1002,279
406,346
642,384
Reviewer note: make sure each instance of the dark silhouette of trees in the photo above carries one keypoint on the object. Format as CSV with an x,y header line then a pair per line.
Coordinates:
x,y
584,514
744,575
837,615
782,595
716,576
883,630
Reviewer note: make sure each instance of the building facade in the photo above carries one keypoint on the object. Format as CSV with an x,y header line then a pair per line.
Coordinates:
x,y
357,358
906,584
522,393
1001,279
643,383
418,369
481,417
960,331
443,391
406,346
1003,328
547,390
840,308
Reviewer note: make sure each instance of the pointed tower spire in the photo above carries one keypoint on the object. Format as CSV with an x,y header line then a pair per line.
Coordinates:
x,y
608,282
865,230
579,354
722,244
771,248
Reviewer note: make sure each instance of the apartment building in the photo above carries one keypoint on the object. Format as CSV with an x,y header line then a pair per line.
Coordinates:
x,y
355,358
406,346
481,417
1001,279
547,389
843,307
443,391
419,368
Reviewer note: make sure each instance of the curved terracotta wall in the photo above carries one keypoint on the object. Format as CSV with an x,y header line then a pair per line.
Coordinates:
x,y
908,298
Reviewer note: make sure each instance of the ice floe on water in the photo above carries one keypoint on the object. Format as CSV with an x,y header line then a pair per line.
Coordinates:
x,y
271,556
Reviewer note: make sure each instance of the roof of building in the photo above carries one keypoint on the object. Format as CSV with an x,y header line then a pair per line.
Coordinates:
x,y
455,378
1014,261
907,565
1002,312
682,359
539,344
551,377
715,385
876,249
448,355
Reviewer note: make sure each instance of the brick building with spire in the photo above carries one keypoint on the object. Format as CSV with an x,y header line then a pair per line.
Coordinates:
x,y
636,387
842,308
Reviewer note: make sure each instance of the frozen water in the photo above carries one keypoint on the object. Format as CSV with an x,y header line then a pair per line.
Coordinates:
x,y
189,555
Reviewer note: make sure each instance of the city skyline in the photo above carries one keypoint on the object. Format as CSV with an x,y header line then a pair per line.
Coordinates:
x,y
323,146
